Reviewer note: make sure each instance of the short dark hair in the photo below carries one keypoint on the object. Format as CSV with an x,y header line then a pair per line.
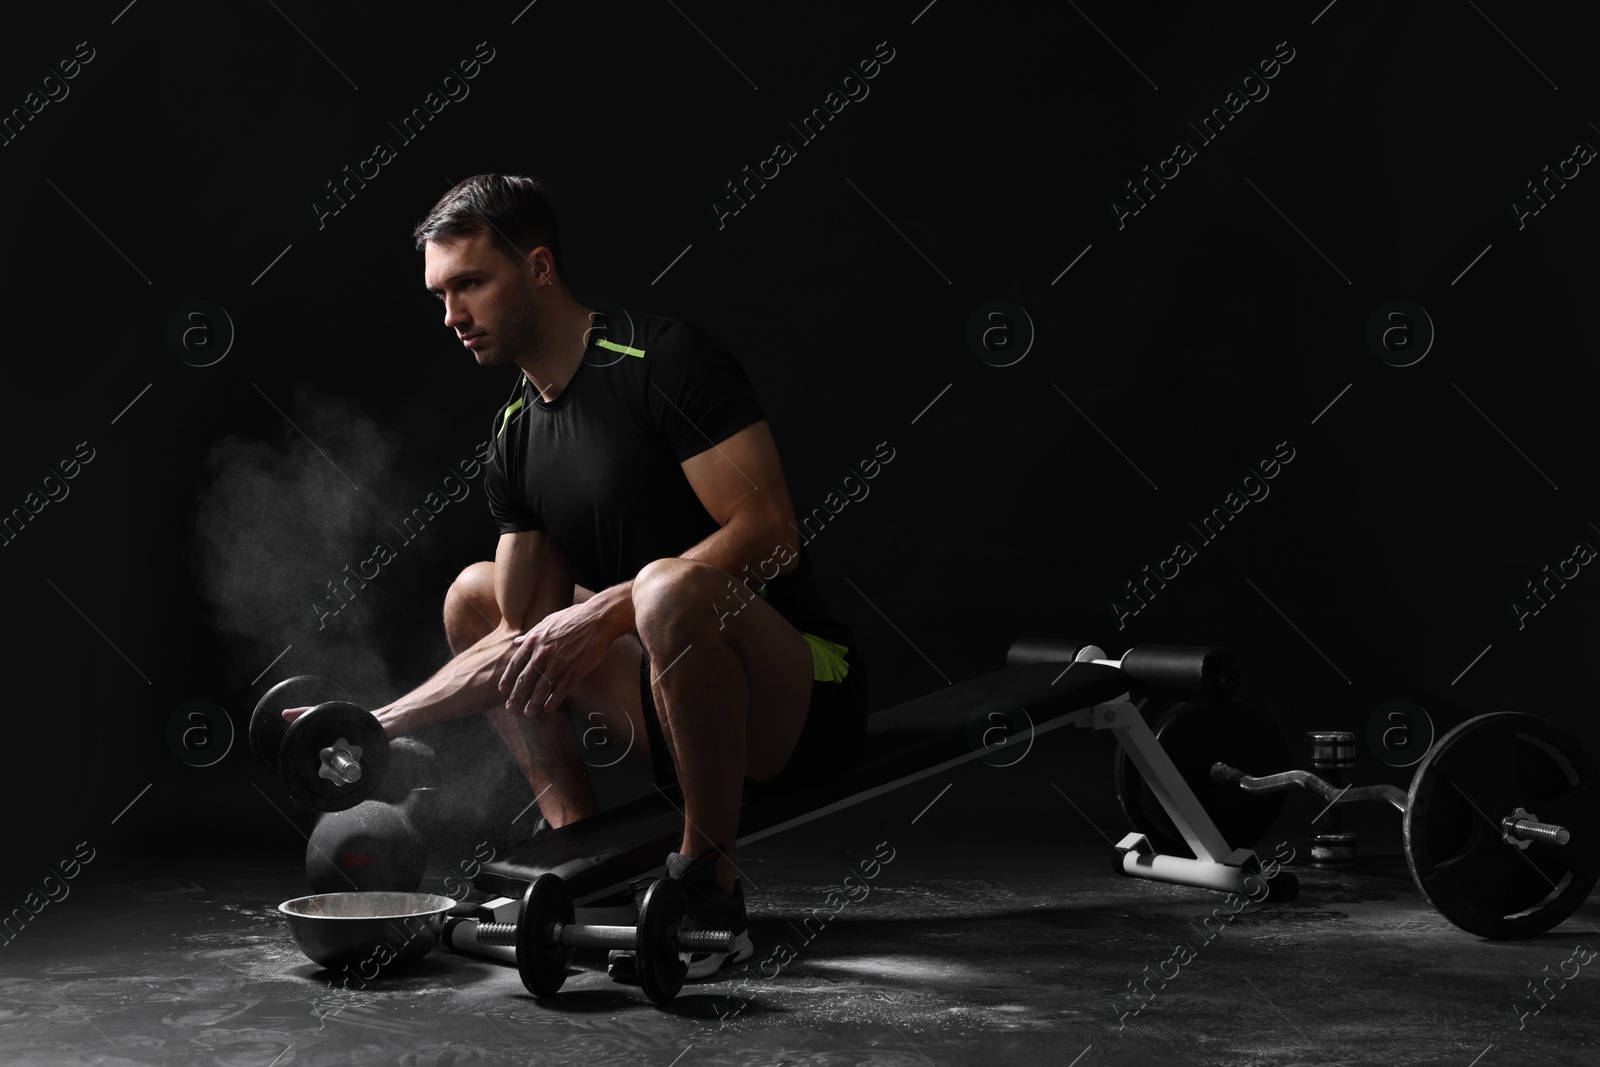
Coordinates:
x,y
513,208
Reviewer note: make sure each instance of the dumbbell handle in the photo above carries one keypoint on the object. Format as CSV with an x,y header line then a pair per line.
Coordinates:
x,y
1277,783
580,935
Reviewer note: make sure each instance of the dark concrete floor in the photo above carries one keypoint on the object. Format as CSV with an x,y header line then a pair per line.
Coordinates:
x,y
962,952
996,935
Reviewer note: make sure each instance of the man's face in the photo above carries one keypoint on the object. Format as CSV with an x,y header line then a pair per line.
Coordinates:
x,y
488,298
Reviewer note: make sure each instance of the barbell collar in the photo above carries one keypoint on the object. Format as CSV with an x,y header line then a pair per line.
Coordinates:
x,y
1525,827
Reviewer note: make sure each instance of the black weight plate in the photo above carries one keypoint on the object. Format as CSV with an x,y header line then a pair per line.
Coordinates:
x,y
300,758
543,968
1474,776
661,969
266,723
1196,734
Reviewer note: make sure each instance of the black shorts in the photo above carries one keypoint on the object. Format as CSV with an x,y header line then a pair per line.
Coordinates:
x,y
830,740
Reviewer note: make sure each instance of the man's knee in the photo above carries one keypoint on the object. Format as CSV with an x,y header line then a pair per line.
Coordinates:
x,y
671,594
470,610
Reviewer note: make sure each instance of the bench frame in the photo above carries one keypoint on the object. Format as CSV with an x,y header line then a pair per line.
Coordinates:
x,y
1216,866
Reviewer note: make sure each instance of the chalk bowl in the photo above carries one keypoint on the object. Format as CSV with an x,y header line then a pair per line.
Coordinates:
x,y
370,932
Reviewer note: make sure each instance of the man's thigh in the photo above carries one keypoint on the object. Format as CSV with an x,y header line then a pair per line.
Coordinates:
x,y
611,716
776,660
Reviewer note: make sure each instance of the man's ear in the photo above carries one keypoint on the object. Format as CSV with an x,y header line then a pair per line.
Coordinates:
x,y
535,259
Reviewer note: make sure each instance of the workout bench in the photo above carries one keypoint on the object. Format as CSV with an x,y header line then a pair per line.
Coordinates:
x,y
1047,684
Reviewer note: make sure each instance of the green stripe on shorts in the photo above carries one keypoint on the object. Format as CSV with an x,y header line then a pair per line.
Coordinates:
x,y
827,659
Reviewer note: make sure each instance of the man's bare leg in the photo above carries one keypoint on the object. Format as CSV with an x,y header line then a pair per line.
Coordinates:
x,y
543,745
732,698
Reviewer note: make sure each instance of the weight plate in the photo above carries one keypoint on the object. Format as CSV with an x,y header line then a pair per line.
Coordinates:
x,y
1475,775
266,723
543,967
1196,734
661,968
300,758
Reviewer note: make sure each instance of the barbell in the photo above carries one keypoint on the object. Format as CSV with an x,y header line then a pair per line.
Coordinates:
x,y
1500,822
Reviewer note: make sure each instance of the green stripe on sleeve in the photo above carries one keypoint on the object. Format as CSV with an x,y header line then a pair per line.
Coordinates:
x,y
624,349
511,409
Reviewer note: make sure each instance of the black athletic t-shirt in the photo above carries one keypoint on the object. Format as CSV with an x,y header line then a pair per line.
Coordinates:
x,y
600,468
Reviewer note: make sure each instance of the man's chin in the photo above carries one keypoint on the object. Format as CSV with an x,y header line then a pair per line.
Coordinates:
x,y
493,354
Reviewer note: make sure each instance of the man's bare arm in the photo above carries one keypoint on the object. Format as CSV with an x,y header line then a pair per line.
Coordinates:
x,y
532,579
740,482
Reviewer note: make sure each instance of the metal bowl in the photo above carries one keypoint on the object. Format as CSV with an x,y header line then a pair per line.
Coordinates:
x,y
370,932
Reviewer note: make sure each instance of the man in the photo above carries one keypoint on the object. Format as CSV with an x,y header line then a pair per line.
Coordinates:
x,y
648,571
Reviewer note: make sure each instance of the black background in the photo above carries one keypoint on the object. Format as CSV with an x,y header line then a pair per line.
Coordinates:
x,y
1172,357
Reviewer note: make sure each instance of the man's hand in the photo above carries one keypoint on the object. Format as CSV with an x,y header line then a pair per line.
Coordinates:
x,y
555,656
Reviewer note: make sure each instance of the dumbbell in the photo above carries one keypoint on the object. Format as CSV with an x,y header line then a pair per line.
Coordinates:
x,y
545,936
336,755
1475,841
1333,753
